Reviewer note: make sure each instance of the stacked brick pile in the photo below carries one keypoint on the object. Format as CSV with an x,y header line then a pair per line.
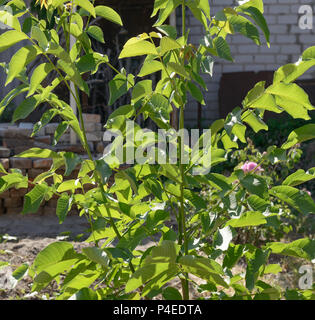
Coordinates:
x,y
16,139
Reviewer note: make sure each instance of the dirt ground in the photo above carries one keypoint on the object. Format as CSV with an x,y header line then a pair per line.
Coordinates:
x,y
22,238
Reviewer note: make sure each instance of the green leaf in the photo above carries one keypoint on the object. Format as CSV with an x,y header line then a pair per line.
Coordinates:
x,y
66,64
258,4
26,108
249,218
266,102
204,268
255,184
257,204
129,176
298,177
194,199
39,74
138,48
10,20
245,27
69,185
258,259
232,255
233,125
141,89
34,198
108,14
53,253
159,109
150,66
276,155
11,95
10,38
63,207
118,86
171,171
161,259
299,135
168,30
195,92
20,272
308,54
258,17
205,7
12,179
228,143
206,65
85,294
254,93
96,33
223,49
153,186
167,44
301,248
71,161
51,262
20,60
40,37
38,153
166,9
179,69
290,72
148,272
90,62
272,268
255,122
171,293
86,5
298,199
293,99
103,169
97,255
222,238
61,129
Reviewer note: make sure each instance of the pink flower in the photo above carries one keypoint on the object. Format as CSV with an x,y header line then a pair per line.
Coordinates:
x,y
309,193
250,166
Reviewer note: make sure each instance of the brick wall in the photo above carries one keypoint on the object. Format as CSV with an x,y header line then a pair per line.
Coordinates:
x,y
287,43
15,139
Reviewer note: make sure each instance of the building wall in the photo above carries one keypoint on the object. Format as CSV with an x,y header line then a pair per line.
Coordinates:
x,y
287,43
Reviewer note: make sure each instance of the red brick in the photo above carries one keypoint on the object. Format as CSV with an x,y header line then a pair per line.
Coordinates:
x,y
52,203
14,210
33,173
4,152
44,139
5,194
16,193
17,142
5,163
13,202
90,117
49,211
21,163
42,163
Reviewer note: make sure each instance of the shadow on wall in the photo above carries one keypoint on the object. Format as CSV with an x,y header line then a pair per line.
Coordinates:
x,y
234,87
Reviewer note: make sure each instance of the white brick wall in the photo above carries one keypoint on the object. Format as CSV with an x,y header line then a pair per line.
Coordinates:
x,y
288,41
